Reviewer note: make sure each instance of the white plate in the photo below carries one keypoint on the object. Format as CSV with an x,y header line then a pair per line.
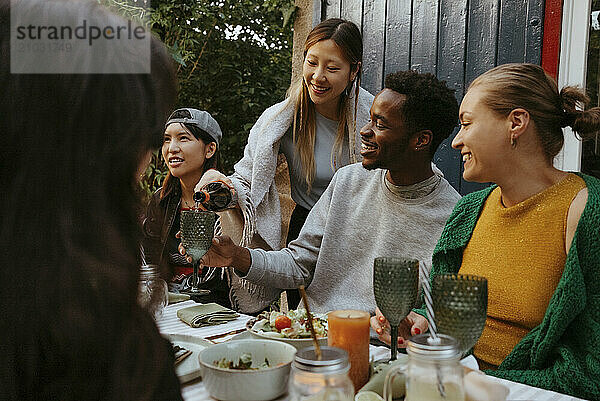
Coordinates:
x,y
299,343
189,369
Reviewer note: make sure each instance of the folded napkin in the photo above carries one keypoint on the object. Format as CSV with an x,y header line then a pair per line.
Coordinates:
x,y
206,315
479,387
174,297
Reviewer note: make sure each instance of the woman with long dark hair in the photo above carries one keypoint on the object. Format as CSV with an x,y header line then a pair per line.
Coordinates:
x,y
190,147
74,145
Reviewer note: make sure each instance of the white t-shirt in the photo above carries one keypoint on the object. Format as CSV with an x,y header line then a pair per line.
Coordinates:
x,y
326,131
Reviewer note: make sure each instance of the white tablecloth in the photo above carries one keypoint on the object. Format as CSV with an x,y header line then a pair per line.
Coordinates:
x,y
195,391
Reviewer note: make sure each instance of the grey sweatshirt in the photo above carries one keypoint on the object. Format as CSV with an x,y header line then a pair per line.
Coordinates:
x,y
358,218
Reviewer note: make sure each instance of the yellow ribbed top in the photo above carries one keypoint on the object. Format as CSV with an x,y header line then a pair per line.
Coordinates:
x,y
521,251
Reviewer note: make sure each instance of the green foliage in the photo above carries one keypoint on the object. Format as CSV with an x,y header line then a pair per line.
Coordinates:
x,y
591,148
233,60
154,175
233,77
130,9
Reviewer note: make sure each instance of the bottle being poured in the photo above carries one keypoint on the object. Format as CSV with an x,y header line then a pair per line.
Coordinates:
x,y
216,196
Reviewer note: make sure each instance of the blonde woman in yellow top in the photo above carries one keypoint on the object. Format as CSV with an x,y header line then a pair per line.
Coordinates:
x,y
534,235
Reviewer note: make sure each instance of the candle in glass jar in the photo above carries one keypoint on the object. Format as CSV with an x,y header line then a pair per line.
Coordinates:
x,y
349,330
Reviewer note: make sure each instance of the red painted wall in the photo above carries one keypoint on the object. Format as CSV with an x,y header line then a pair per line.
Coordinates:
x,y
551,41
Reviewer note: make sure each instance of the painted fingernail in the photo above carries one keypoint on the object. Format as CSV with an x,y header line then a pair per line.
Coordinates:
x,y
417,330
379,331
400,341
381,319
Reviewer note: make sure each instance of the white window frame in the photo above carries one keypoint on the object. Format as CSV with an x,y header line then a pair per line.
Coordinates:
x,y
572,69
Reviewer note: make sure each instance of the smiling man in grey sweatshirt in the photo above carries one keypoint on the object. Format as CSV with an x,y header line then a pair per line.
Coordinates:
x,y
392,204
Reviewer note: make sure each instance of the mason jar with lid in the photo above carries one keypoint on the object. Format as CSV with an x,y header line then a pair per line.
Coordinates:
x,y
153,292
433,371
324,379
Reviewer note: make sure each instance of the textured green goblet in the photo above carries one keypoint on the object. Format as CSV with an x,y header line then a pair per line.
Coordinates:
x,y
396,284
197,231
460,307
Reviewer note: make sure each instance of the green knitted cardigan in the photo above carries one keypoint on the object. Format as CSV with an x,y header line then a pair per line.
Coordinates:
x,y
562,354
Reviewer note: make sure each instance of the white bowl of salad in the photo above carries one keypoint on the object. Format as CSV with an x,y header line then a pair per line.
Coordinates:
x,y
246,370
291,327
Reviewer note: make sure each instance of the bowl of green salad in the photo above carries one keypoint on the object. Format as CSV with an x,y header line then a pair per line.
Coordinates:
x,y
290,327
246,370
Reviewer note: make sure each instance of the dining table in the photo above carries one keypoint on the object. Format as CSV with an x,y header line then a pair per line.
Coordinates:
x,y
169,324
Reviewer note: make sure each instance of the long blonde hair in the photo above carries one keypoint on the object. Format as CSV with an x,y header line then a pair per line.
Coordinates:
x,y
347,37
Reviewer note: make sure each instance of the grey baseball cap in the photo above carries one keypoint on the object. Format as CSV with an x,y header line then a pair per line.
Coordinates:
x,y
199,118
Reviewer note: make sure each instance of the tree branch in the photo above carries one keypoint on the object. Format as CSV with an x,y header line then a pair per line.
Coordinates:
x,y
202,50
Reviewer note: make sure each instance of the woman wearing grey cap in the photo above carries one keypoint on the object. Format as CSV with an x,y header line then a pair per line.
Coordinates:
x,y
190,148
316,128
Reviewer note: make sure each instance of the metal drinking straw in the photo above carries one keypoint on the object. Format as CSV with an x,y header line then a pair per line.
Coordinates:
x,y
433,337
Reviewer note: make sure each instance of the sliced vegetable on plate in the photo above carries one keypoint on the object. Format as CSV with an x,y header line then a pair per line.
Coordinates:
x,y
292,325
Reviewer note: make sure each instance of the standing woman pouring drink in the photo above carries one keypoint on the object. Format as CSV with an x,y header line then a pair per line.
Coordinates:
x,y
534,235
316,128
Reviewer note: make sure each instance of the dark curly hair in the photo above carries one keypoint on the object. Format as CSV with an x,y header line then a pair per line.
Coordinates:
x,y
429,105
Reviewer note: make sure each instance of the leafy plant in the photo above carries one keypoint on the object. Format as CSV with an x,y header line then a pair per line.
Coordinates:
x,y
233,60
